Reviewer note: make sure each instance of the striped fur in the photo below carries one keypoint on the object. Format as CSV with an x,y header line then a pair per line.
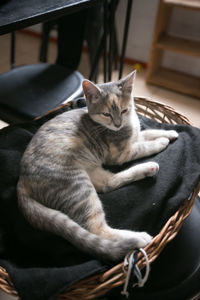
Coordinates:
x,y
61,170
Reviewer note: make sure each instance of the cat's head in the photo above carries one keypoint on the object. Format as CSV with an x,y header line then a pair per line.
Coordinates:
x,y
110,104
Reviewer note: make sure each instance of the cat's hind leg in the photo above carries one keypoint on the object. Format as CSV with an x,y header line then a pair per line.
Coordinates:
x,y
104,180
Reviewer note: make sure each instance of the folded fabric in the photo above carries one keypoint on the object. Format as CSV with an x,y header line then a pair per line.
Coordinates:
x,y
42,265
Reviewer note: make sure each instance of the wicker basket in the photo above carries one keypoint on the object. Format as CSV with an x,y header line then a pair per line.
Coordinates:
x,y
100,284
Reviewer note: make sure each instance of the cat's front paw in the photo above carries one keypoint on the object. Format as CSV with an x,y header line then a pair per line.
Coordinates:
x,y
162,143
172,135
151,169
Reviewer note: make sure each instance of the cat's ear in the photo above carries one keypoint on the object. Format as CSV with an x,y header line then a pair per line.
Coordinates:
x,y
91,91
128,82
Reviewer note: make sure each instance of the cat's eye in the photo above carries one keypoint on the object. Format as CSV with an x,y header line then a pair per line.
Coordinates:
x,y
106,114
124,111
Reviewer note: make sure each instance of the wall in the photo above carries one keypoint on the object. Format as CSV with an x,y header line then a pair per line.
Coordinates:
x,y
142,21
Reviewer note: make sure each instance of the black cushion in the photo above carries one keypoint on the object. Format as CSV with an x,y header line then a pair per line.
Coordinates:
x,y
30,91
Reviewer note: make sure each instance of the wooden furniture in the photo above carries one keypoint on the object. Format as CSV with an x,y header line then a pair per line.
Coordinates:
x,y
156,74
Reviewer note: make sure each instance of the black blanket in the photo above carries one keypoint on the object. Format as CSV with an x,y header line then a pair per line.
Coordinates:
x,y
42,265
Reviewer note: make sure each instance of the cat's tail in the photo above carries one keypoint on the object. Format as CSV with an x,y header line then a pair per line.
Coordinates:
x,y
57,222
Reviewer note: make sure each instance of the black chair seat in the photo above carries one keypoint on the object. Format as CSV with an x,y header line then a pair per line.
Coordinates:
x,y
30,91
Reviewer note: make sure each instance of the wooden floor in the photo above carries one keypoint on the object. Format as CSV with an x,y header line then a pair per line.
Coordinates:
x,y
27,49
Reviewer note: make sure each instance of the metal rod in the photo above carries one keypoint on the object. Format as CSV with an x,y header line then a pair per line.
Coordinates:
x,y
12,50
111,44
105,39
126,28
96,59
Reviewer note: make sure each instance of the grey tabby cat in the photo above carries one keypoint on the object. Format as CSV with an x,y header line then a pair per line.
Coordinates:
x,y
61,169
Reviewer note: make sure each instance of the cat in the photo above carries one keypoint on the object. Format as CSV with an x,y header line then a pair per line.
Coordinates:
x,y
61,170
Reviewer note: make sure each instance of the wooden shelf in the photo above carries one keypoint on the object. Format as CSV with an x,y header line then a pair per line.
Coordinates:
x,y
180,45
162,41
176,81
194,4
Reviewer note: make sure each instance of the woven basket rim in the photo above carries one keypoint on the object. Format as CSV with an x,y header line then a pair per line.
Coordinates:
x,y
160,104
102,283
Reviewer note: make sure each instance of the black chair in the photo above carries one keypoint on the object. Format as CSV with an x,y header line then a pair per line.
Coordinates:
x,y
30,91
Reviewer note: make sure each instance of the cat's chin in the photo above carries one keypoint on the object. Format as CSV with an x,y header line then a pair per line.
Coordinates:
x,y
113,128
117,129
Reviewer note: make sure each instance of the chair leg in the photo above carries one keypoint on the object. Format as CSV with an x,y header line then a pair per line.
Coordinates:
x,y
46,28
105,60
116,51
94,66
12,50
128,15
113,6
71,30
109,31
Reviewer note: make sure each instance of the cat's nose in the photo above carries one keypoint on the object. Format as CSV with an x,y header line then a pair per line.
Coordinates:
x,y
118,124
117,121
